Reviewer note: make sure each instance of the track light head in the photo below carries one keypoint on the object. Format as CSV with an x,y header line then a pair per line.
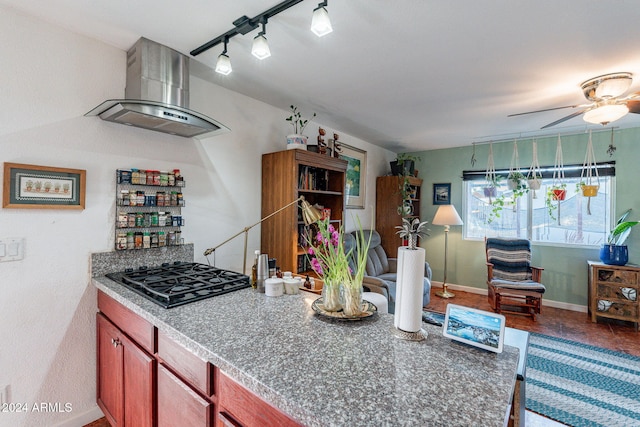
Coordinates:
x,y
260,48
320,22
223,64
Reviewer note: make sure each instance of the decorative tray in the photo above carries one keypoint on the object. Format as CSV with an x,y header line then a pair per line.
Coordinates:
x,y
368,310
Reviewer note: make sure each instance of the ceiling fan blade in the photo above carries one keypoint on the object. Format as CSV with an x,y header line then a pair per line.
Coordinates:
x,y
634,106
546,109
564,119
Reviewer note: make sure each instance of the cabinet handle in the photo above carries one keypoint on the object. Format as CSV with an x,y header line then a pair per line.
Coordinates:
x,y
116,342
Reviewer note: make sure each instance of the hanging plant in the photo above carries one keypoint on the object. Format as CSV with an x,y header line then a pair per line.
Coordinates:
x,y
534,176
491,190
558,190
516,181
589,180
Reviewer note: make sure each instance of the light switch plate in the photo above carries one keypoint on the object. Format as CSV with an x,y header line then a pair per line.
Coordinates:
x,y
11,249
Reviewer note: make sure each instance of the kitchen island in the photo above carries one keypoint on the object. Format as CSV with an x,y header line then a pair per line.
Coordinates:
x,y
328,373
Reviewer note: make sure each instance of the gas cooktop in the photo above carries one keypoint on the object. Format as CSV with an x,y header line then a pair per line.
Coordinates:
x,y
171,285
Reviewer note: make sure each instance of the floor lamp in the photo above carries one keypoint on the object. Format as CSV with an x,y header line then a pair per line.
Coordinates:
x,y
310,215
446,215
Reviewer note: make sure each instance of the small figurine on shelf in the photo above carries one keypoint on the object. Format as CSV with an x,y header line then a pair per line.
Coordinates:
x,y
337,149
322,147
307,283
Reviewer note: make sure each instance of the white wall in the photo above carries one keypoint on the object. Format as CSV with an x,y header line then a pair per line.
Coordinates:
x,y
49,78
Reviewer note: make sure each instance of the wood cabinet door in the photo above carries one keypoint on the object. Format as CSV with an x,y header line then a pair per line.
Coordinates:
x,y
109,390
139,376
179,405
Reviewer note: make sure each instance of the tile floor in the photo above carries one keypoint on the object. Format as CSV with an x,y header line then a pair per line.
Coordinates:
x,y
572,325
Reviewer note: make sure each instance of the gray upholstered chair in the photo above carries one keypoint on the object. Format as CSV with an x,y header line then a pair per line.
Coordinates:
x,y
383,270
513,284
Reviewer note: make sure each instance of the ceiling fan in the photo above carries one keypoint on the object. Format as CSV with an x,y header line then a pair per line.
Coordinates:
x,y
607,103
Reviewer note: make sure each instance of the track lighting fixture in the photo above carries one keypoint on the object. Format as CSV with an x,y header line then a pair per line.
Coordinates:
x,y
223,64
320,22
260,48
320,25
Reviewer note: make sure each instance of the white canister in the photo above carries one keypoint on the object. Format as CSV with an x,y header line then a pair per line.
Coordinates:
x,y
273,287
291,286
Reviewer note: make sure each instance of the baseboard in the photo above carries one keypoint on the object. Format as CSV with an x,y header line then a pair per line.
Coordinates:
x,y
82,419
545,302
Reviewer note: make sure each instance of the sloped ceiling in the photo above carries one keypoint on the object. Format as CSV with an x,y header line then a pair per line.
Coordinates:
x,y
407,75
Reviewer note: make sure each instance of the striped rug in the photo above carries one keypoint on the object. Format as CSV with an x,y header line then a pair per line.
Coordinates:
x,y
581,385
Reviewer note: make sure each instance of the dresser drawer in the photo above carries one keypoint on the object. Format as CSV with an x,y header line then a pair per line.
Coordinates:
x,y
610,275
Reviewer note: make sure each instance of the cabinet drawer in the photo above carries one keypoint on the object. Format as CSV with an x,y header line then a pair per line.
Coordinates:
x,y
626,277
197,372
623,293
178,405
141,331
617,309
247,408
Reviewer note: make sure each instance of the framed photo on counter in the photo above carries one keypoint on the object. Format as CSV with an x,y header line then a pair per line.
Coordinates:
x,y
43,187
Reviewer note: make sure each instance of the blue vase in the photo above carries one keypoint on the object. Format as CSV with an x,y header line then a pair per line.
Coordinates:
x,y
614,254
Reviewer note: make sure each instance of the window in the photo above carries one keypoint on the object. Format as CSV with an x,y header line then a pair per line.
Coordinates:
x,y
576,220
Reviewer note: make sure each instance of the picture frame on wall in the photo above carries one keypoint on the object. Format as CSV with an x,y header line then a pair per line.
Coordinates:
x,y
442,194
43,187
356,175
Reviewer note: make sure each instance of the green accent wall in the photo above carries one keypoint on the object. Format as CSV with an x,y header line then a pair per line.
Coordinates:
x,y
565,274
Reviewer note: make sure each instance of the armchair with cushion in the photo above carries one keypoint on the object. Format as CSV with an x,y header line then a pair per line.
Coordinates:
x,y
513,284
381,272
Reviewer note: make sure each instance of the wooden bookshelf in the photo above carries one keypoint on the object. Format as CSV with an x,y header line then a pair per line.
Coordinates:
x,y
388,199
287,175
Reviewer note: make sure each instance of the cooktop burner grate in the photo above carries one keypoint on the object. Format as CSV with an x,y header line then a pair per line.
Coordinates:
x,y
171,285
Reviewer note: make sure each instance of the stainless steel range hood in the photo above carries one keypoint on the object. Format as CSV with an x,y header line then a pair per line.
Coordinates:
x,y
157,94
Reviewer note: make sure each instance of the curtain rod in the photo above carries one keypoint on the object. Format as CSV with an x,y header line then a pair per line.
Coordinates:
x,y
520,136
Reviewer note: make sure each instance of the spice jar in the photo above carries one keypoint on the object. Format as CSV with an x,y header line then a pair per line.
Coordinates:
x,y
171,179
154,219
139,198
146,240
131,219
137,240
162,239
160,200
130,241
154,239
174,198
124,197
180,199
135,176
121,241
123,219
142,177
149,177
164,178
156,177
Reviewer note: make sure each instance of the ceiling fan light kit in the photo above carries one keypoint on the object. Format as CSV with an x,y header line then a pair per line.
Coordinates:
x,y
605,113
607,101
320,25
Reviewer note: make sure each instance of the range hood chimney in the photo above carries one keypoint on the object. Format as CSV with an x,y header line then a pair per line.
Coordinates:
x,y
157,94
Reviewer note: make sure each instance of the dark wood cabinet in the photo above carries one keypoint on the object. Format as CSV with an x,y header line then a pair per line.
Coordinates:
x,y
168,386
126,377
287,175
395,199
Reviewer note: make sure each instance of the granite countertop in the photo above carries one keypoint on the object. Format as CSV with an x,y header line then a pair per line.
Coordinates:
x,y
328,373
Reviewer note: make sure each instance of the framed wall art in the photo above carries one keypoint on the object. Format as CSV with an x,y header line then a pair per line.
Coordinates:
x,y
356,175
43,187
441,194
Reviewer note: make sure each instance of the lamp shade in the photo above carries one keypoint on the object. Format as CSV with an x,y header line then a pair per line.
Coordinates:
x,y
310,215
606,113
320,22
223,65
447,215
260,48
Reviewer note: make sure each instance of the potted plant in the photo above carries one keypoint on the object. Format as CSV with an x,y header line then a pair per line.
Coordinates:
x,y
615,252
411,230
555,193
404,164
516,182
534,176
297,139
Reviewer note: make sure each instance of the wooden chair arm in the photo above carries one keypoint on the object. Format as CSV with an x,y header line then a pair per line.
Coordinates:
x,y
536,274
489,271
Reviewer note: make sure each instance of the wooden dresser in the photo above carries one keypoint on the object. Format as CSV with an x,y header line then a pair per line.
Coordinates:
x,y
613,291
